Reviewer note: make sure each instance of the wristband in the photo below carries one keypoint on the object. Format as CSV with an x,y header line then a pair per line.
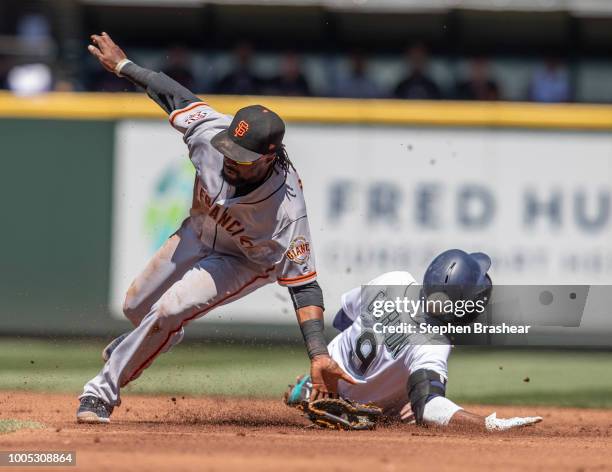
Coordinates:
x,y
312,330
439,411
120,66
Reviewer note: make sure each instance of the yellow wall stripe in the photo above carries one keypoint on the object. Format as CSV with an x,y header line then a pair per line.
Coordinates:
x,y
323,110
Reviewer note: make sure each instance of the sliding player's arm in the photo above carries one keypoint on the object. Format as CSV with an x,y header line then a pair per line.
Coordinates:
x,y
429,406
443,412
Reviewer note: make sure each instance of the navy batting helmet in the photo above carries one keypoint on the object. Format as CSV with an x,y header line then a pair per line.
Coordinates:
x,y
459,278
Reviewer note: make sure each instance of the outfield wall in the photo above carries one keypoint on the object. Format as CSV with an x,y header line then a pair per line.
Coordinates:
x,y
93,184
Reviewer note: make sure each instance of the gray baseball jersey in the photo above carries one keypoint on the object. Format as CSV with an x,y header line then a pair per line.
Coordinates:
x,y
228,247
268,226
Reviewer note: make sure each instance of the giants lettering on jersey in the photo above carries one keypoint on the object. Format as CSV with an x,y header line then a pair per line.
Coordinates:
x,y
224,219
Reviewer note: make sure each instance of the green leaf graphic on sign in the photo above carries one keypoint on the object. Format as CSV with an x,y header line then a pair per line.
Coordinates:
x,y
170,202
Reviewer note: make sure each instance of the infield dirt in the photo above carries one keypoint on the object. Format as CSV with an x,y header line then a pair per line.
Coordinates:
x,y
194,433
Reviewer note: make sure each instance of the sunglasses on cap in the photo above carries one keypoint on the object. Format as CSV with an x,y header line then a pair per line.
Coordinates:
x,y
249,163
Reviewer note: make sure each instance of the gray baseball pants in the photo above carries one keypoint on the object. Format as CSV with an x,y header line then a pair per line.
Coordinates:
x,y
183,281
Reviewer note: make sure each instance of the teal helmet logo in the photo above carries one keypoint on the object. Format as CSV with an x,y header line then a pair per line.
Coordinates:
x,y
169,205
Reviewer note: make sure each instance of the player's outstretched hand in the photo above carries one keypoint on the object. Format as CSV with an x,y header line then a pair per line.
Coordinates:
x,y
493,423
106,51
324,374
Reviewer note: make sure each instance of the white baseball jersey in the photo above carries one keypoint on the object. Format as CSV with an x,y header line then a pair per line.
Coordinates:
x,y
384,379
269,225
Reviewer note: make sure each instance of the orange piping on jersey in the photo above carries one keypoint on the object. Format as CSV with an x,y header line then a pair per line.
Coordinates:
x,y
186,320
300,278
176,113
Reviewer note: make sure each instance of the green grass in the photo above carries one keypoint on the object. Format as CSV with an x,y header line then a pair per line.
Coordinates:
x,y
562,378
192,369
565,378
10,426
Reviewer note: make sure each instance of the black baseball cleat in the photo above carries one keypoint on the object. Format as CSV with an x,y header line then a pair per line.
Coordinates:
x,y
108,350
93,410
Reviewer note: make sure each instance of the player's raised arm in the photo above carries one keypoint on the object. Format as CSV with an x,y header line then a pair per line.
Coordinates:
x,y
166,92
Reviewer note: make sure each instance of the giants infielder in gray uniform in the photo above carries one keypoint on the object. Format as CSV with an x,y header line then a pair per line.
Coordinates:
x,y
248,227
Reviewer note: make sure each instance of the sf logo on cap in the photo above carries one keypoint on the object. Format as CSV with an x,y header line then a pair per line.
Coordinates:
x,y
241,129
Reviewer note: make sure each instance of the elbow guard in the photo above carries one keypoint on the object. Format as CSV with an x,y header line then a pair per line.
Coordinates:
x,y
423,385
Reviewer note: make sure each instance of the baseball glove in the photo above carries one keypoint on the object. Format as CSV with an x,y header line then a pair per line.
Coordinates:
x,y
331,413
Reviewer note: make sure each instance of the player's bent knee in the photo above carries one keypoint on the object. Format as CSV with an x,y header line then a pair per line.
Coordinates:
x,y
134,306
132,309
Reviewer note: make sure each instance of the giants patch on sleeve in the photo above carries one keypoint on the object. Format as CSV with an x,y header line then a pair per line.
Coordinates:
x,y
198,115
299,250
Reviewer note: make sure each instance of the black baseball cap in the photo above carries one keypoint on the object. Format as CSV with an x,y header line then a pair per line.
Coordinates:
x,y
254,132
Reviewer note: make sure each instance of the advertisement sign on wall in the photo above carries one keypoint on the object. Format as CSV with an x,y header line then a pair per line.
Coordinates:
x,y
390,198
